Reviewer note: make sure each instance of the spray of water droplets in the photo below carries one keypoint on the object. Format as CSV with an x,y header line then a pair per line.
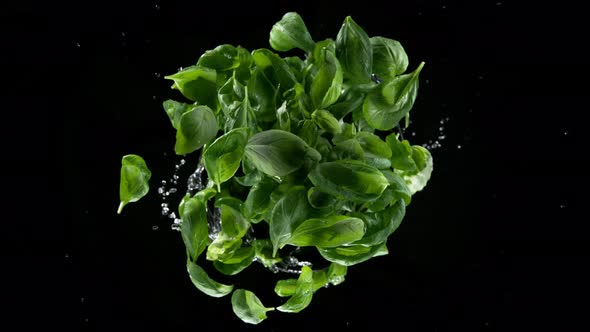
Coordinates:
x,y
441,136
169,187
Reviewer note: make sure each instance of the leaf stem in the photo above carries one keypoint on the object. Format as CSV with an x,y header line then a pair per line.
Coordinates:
x,y
121,205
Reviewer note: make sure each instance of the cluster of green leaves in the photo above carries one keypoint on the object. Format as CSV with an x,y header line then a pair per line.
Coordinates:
x,y
301,147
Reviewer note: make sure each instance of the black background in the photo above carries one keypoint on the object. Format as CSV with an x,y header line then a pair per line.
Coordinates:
x,y
491,245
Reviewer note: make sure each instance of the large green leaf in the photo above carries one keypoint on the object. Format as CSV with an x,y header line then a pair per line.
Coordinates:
x,y
349,179
198,84
383,108
287,287
241,259
222,158
389,58
290,32
194,229
248,307
352,254
204,283
197,128
327,232
418,179
221,58
290,211
336,273
401,154
353,49
327,82
326,121
303,292
276,152
135,176
377,153
175,110
380,225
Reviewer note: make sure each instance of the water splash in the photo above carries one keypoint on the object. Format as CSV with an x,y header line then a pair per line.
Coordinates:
x,y
441,136
165,190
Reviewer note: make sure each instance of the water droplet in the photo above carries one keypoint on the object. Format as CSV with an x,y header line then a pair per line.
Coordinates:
x,y
67,255
561,206
155,227
157,74
161,190
182,161
78,44
175,177
82,300
441,128
427,81
122,34
154,97
565,133
172,216
444,7
157,7
459,147
498,4
180,68
85,320
172,190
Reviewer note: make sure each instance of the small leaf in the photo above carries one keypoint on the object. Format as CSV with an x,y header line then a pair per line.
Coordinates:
x,y
290,32
326,121
197,127
354,51
222,158
263,248
327,232
336,273
417,180
198,84
135,176
287,287
248,307
389,58
303,292
327,83
401,154
205,284
276,152
291,210
380,225
349,179
175,110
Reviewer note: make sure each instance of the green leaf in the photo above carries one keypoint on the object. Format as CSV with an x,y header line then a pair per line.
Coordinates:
x,y
283,118
389,58
221,58
263,93
135,176
263,249
327,232
336,273
197,128
175,110
274,67
349,179
377,153
276,152
398,186
308,131
205,284
354,51
291,210
349,101
233,227
194,229
258,200
326,121
348,149
380,225
417,180
241,259
401,154
383,108
303,292
321,200
222,158
352,254
327,82
287,287
248,307
198,84
290,32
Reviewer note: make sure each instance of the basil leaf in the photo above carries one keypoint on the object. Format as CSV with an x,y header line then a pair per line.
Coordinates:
x,y
401,154
321,200
222,158
389,58
135,176
349,179
349,101
205,284
263,249
198,84
290,32
327,232
258,200
274,67
197,127
303,292
354,51
308,132
241,259
233,227
283,118
247,306
377,153
221,58
231,94
263,93
175,110
326,121
287,287
241,115
417,180
352,254
348,149
194,229
383,108
327,82
398,186
276,152
383,201
381,224
336,273
291,210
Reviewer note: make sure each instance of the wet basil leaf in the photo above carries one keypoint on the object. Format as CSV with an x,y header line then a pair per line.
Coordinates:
x,y
303,292
352,254
389,58
194,229
380,225
336,273
197,128
233,227
258,200
222,158
399,188
290,32
326,121
354,50
241,259
135,176
204,283
263,249
383,108
377,153
221,58
287,287
418,179
327,232
276,152
175,110
198,84
248,307
327,82
290,211
401,154
349,179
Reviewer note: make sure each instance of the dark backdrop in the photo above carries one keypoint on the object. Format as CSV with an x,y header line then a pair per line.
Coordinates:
x,y
483,248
